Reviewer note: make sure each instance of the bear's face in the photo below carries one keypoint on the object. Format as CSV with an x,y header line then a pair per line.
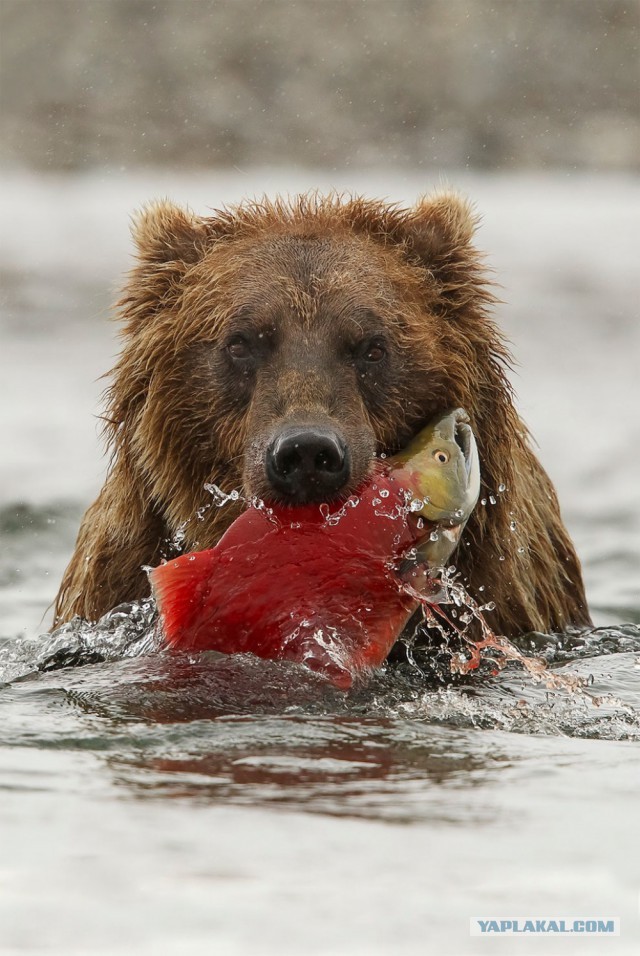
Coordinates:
x,y
308,354
286,351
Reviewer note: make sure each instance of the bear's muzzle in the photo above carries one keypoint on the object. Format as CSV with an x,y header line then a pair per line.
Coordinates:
x,y
306,463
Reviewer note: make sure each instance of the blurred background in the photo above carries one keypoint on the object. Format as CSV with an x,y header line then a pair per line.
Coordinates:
x,y
489,84
530,107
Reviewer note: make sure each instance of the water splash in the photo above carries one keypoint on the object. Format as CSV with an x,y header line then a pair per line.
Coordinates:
x,y
219,497
176,543
129,630
333,518
442,615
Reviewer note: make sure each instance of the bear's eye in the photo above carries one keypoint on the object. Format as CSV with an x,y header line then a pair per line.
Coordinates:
x,y
441,456
373,351
238,348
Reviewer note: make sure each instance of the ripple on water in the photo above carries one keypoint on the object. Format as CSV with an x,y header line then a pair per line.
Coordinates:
x,y
238,730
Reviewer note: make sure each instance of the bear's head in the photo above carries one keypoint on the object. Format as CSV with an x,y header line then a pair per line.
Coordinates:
x,y
281,346
277,348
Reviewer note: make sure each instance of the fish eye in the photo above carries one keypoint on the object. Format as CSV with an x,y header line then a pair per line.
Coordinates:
x,y
238,348
441,456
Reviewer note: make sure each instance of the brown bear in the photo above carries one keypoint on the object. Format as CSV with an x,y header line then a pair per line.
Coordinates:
x,y
278,347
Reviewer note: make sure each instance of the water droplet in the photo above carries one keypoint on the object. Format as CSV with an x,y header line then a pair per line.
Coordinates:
x,y
384,493
458,513
483,501
375,501
492,499
513,525
481,588
434,536
502,487
416,505
420,524
491,606
501,557
220,498
520,550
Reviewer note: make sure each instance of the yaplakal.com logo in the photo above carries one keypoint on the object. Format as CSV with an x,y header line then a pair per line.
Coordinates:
x,y
545,925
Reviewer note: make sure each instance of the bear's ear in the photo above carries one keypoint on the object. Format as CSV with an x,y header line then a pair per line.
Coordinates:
x,y
438,233
169,240
164,233
439,228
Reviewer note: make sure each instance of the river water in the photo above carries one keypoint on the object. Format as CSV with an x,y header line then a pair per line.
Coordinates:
x,y
195,805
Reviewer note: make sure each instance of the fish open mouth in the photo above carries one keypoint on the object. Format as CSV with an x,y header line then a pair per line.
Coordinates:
x,y
465,441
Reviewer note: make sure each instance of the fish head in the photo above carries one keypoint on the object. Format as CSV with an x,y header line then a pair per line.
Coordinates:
x,y
443,468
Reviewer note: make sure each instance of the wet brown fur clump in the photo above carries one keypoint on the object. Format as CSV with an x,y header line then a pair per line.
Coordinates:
x,y
329,311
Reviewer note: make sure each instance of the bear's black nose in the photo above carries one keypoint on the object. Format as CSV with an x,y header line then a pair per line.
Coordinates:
x,y
307,464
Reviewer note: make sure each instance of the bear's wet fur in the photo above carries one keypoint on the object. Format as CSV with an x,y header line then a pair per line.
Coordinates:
x,y
324,311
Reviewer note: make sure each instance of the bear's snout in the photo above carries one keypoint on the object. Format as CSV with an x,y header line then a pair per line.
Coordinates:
x,y
307,463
